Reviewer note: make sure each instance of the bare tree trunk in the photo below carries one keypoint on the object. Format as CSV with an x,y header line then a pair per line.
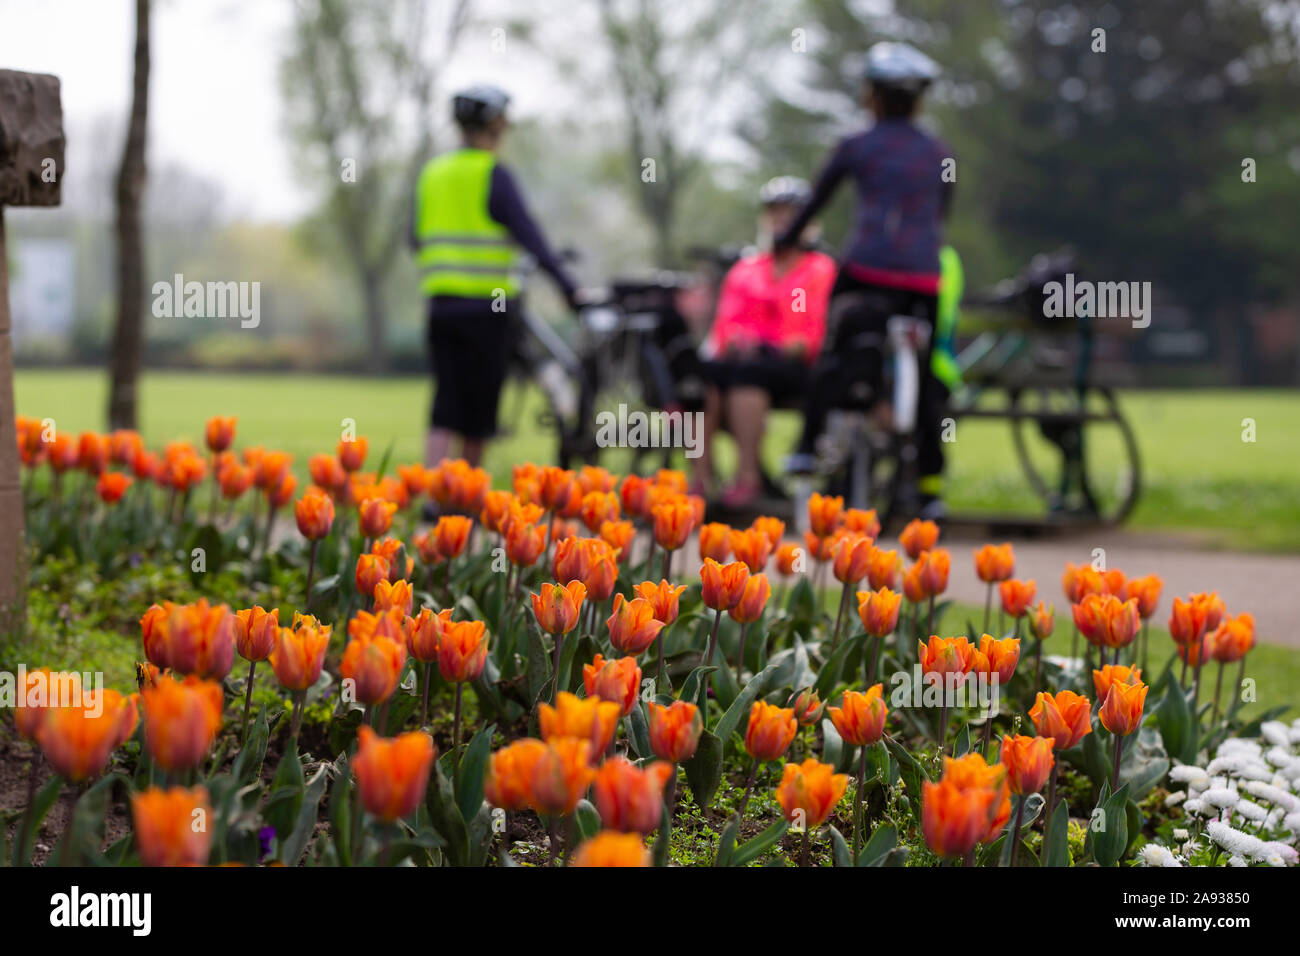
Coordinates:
x,y
128,336
12,551
376,320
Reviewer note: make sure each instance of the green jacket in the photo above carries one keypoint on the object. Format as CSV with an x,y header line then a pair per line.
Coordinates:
x,y
943,362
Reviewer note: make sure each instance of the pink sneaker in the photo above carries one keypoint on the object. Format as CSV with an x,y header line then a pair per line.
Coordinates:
x,y
740,495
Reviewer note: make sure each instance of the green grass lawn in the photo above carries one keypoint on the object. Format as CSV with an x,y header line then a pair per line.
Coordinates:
x,y
1198,473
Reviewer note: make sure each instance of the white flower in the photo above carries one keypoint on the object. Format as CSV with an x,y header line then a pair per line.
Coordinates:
x,y
1287,853
1175,797
1236,861
1225,797
1180,834
1275,732
1197,806
1194,777
1250,810
1153,854
1271,794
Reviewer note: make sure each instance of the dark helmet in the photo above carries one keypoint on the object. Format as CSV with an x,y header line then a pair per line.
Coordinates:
x,y
784,189
900,66
479,105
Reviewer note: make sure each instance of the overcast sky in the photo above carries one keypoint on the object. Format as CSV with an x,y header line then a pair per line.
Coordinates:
x,y
215,102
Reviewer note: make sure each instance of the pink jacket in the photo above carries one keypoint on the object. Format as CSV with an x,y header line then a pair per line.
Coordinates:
x,y
755,308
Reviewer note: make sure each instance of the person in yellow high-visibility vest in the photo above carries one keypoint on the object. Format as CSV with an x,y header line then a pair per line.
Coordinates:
x,y
469,221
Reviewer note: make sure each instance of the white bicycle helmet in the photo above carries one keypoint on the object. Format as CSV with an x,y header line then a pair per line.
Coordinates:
x,y
901,66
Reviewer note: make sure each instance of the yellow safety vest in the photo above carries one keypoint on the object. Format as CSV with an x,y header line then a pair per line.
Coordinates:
x,y
463,251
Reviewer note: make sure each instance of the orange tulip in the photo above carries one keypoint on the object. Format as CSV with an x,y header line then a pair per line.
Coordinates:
x,y
618,535
807,706
851,558
78,738
280,494
166,830
859,521
612,849
374,665
451,534
597,508
41,689
1066,718
525,542
558,487
808,791
774,528
352,454
789,559
860,721
997,657
628,798
570,561
424,633
995,563
590,718
723,585
663,597
389,596
219,432
1121,711
1081,580
594,478
933,573
298,655
752,547
63,452
946,655
510,774
376,516
752,600
314,512
1110,673
392,550
1191,618
181,719
562,773
824,514
913,586
770,731
1028,761
556,607
602,570
371,569
1042,620
879,611
634,494
674,730
969,805
1233,638
1146,591
496,505
123,445
1114,580
200,639
255,632
111,486
919,537
462,651
93,452
821,549
327,472
392,773
235,479
674,519
1016,596
614,680
882,569
1106,621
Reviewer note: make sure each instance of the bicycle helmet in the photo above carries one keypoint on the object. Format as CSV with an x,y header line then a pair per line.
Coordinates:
x,y
784,189
475,107
900,66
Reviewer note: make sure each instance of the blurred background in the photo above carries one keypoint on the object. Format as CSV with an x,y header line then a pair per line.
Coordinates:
x,y
1134,156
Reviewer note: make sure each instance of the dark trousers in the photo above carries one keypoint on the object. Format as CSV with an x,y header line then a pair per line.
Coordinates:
x,y
850,371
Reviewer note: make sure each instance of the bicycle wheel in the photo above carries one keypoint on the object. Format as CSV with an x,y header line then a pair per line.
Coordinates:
x,y
1077,451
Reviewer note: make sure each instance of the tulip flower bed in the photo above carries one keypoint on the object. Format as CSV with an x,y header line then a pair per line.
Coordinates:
x,y
578,670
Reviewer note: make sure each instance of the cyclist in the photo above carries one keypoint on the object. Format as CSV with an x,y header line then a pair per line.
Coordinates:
x,y
469,219
770,321
892,263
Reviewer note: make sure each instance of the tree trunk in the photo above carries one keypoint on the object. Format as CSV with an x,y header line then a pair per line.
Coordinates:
x,y
12,550
128,336
376,320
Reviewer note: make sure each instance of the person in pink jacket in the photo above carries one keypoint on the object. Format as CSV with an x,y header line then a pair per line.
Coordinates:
x,y
767,332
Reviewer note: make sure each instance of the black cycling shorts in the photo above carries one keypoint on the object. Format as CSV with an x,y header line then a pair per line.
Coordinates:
x,y
784,378
469,354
